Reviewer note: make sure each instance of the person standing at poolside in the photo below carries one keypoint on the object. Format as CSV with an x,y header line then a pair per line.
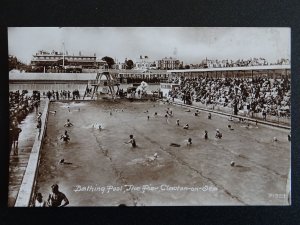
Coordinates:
x,y
39,124
39,202
56,198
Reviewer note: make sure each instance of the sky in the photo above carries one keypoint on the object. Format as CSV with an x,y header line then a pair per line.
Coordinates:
x,y
188,44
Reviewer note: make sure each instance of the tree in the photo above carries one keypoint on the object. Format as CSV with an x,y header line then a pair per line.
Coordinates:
x,y
110,61
14,63
129,64
187,66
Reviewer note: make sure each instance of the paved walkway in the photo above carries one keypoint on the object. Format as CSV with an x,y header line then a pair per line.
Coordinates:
x,y
18,163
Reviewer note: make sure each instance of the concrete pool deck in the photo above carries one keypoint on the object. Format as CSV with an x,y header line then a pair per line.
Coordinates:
x,y
101,170
18,164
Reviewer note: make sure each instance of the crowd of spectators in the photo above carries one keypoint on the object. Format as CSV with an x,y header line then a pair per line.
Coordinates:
x,y
132,80
62,95
257,95
75,94
214,63
20,105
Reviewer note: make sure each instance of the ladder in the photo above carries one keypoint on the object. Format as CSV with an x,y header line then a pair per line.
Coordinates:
x,y
85,93
111,82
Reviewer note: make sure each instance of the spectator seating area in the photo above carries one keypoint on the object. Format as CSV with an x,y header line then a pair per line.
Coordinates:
x,y
254,95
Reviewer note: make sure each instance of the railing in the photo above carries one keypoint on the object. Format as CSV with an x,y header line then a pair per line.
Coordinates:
x,y
225,111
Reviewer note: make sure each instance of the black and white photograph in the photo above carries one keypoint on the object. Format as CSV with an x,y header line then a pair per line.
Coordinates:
x,y
149,116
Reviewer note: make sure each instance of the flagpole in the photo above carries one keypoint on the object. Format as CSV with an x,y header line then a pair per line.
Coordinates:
x,y
63,55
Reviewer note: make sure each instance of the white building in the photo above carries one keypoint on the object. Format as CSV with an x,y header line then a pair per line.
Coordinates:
x,y
144,63
168,63
119,66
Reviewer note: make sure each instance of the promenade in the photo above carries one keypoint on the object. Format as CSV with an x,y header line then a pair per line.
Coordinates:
x,y
18,163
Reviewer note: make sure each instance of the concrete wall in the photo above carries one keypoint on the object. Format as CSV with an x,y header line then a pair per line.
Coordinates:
x,y
56,77
27,187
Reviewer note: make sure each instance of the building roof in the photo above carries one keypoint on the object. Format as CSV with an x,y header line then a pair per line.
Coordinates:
x,y
55,53
142,71
100,60
169,58
52,76
273,67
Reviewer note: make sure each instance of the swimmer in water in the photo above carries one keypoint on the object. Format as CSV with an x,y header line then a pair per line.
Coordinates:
x,y
97,126
218,134
186,126
68,123
189,142
246,126
152,158
230,128
205,136
62,161
209,116
131,140
53,112
65,137
166,116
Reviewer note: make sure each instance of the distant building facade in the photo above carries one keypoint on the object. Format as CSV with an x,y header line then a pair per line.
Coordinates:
x,y
58,59
168,63
144,63
119,66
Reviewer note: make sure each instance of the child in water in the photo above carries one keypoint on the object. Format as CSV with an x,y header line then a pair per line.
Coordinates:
x,y
65,137
205,136
68,123
132,141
